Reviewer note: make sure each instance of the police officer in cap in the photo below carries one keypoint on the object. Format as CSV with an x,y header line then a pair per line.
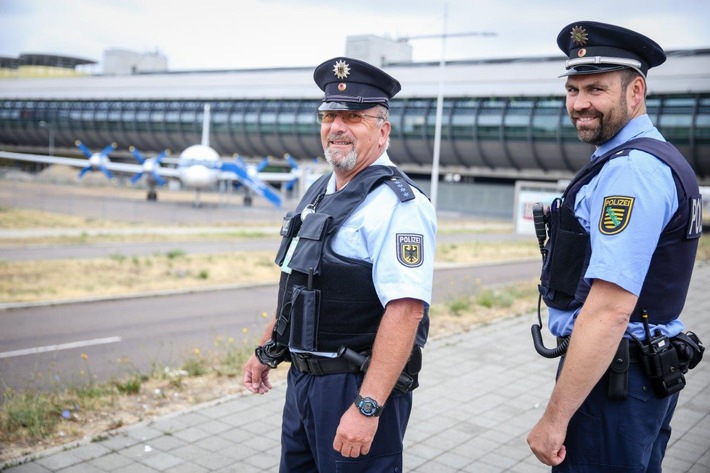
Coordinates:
x,y
618,263
357,259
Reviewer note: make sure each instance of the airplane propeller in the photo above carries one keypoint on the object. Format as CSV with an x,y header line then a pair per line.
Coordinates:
x,y
97,161
294,165
149,166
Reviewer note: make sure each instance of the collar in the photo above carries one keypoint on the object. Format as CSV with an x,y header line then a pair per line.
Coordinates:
x,y
383,160
636,127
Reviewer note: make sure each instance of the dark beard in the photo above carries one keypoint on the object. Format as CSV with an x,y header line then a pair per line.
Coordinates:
x,y
608,126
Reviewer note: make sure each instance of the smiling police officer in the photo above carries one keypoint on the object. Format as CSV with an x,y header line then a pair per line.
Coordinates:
x,y
357,258
618,262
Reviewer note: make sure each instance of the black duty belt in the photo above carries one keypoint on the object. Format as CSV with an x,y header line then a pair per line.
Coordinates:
x,y
318,366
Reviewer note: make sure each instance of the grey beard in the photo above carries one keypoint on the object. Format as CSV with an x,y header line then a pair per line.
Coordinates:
x,y
346,163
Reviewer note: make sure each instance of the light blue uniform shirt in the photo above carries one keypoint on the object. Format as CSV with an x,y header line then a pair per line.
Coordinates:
x,y
370,234
624,258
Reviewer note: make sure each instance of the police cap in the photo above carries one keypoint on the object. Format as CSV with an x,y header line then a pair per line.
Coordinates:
x,y
594,47
350,84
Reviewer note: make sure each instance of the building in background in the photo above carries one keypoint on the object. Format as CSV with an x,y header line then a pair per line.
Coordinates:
x,y
124,62
377,50
44,65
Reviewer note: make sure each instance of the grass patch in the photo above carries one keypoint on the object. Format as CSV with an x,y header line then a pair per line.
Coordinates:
x,y
41,418
29,281
481,306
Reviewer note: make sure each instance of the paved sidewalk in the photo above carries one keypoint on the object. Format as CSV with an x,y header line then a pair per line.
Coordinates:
x,y
481,393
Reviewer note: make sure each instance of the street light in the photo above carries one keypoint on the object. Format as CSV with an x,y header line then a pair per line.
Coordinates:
x,y
440,98
44,124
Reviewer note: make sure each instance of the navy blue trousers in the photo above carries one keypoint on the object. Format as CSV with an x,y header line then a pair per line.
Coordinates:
x,y
621,436
312,412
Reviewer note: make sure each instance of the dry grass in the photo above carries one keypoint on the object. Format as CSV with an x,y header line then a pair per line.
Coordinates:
x,y
28,281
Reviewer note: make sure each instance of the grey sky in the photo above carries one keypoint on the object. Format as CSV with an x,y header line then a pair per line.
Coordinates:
x,y
232,34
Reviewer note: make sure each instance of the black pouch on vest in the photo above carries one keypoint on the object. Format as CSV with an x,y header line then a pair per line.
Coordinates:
x,y
305,312
566,260
619,373
289,228
311,238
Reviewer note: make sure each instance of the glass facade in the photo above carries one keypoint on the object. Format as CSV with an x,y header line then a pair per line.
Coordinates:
x,y
490,133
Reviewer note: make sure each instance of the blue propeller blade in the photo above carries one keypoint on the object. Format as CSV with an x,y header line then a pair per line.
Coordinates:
x,y
84,171
158,179
106,172
294,165
137,154
136,177
264,162
160,157
83,148
108,149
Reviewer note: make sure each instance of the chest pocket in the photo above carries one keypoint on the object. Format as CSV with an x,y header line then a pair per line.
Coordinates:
x,y
311,238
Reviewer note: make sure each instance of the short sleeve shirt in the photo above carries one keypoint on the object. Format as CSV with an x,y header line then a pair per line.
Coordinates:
x,y
634,193
397,238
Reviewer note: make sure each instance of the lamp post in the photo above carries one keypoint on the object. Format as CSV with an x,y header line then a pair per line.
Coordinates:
x,y
433,193
44,124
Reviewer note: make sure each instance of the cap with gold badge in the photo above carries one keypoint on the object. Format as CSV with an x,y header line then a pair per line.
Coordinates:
x,y
351,84
594,47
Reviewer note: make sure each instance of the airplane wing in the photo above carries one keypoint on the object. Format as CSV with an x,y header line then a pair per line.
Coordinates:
x,y
81,163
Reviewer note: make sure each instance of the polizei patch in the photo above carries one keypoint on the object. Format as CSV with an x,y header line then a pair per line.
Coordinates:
x,y
616,214
409,249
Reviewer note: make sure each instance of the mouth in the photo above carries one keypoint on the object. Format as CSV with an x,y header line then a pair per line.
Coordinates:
x,y
585,120
339,141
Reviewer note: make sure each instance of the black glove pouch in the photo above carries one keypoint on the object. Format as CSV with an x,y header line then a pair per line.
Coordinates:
x,y
690,350
305,313
619,373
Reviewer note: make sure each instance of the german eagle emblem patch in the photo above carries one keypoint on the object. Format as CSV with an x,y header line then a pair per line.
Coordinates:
x,y
616,214
409,249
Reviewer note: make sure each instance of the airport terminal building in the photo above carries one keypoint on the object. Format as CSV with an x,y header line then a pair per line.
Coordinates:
x,y
503,120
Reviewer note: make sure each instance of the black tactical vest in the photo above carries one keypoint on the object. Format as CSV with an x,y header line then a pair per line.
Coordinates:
x,y
568,248
330,300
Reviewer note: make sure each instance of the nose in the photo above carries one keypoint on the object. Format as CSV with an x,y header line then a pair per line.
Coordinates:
x,y
580,101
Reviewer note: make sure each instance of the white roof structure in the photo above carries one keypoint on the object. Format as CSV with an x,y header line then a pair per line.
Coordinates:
x,y
683,72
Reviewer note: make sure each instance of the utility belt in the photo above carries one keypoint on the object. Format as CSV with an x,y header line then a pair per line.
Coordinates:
x,y
349,361
319,366
664,361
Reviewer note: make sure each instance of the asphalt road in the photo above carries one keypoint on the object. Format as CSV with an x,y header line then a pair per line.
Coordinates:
x,y
147,332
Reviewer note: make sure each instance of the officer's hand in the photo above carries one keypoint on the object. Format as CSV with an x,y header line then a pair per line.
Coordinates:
x,y
256,376
546,440
355,433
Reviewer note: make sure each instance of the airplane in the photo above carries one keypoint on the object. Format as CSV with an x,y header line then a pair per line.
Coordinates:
x,y
199,167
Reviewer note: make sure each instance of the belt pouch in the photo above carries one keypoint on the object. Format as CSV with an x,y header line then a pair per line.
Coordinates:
x,y
619,373
305,312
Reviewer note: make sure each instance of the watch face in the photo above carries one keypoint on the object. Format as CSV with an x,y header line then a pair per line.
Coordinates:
x,y
368,407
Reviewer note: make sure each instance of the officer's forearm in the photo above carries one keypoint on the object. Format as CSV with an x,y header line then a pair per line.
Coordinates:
x,y
597,331
392,347
268,331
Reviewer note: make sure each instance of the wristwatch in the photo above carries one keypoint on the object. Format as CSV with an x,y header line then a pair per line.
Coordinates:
x,y
368,406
